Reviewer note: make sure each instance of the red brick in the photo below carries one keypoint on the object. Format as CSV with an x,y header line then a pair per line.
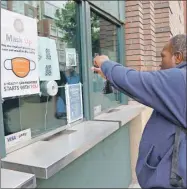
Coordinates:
x,y
134,36
149,21
134,8
150,48
149,32
134,19
162,40
166,34
134,52
135,47
160,5
149,53
161,11
149,42
133,25
148,5
160,45
149,59
161,25
135,13
134,41
133,3
150,37
163,20
149,16
133,30
161,16
149,27
162,29
149,11
134,58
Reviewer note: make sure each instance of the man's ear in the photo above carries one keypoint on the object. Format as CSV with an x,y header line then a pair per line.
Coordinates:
x,y
178,57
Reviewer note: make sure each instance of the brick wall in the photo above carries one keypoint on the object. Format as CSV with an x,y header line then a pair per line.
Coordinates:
x,y
149,25
134,35
163,31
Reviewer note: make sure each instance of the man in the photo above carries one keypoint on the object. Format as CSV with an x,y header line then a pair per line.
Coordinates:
x,y
165,92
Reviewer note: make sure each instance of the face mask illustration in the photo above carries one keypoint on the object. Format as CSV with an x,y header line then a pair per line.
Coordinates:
x,y
20,66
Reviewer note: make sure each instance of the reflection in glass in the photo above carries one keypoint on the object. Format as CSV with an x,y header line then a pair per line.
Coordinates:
x,y
104,41
57,20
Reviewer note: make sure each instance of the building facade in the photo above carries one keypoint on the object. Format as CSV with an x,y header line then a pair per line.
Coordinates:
x,y
99,149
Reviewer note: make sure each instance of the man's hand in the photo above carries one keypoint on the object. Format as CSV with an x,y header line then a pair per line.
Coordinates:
x,y
98,61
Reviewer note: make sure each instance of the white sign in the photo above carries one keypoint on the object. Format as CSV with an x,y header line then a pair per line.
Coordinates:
x,y
48,59
13,139
74,102
97,110
19,57
71,58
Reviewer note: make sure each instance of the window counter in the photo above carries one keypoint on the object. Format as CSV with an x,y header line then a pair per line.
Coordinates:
x,y
15,179
45,158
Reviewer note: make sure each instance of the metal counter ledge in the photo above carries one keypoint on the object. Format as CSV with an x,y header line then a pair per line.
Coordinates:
x,y
47,157
15,179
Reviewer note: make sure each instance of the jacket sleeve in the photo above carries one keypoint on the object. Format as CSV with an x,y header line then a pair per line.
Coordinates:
x,y
163,90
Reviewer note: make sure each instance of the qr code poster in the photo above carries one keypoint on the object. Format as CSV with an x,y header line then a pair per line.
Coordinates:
x,y
71,59
48,59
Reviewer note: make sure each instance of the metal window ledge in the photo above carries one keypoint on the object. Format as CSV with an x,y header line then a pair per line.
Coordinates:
x,y
15,179
122,114
46,158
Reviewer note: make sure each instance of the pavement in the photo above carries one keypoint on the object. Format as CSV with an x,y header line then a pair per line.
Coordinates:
x,y
134,186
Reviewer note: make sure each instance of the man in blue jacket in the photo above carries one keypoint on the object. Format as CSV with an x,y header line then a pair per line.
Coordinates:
x,y
165,92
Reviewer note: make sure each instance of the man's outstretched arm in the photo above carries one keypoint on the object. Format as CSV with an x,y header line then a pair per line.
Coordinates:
x,y
160,90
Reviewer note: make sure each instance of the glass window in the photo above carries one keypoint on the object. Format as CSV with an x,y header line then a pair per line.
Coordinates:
x,y
4,4
30,12
104,41
41,113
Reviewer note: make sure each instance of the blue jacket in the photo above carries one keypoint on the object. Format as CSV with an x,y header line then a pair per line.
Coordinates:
x,y
165,92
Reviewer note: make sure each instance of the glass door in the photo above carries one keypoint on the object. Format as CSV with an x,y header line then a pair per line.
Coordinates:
x,y
104,39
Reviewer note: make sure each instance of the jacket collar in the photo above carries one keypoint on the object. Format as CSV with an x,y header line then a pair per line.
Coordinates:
x,y
182,65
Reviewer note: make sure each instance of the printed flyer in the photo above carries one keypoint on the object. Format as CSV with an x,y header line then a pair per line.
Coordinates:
x,y
71,59
48,59
19,58
74,102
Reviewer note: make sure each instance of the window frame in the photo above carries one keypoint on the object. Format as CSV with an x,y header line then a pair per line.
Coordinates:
x,y
120,35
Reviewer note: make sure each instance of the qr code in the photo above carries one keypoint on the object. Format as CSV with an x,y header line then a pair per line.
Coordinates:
x,y
71,59
48,54
48,70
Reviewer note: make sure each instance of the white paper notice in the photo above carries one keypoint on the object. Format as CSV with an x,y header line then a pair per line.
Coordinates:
x,y
48,59
71,59
19,57
13,139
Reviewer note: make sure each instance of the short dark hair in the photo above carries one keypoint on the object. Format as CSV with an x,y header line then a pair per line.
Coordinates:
x,y
178,44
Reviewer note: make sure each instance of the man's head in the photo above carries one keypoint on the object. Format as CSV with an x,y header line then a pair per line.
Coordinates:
x,y
174,52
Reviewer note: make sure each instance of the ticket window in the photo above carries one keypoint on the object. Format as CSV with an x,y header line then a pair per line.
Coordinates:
x,y
104,41
57,20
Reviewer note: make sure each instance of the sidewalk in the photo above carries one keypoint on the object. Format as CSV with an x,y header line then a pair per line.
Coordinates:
x,y
134,184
